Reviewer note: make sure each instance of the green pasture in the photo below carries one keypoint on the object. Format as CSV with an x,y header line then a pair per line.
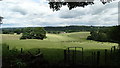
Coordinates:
x,y
57,41
54,45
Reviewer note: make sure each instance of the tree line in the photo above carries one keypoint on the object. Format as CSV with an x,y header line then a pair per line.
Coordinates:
x,y
98,33
56,30
110,34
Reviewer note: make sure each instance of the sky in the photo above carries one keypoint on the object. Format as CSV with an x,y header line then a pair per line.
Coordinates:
x,y
36,13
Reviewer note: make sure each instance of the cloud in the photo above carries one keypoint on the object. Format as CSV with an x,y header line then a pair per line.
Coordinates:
x,y
23,13
97,14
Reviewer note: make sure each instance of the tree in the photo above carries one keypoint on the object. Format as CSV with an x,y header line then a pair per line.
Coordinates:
x,y
114,34
34,33
57,4
18,31
1,19
101,34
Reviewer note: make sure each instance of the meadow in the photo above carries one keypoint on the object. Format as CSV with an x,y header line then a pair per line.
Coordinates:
x,y
57,41
54,45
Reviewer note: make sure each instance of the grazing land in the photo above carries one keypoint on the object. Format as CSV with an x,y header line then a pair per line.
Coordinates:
x,y
57,41
54,45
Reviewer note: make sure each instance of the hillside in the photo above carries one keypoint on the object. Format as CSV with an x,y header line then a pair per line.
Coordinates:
x,y
57,41
54,45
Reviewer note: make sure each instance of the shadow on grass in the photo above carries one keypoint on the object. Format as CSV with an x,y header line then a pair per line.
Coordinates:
x,y
54,58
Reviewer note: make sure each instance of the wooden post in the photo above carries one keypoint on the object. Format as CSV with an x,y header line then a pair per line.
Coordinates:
x,y
65,56
75,55
82,56
21,50
8,47
114,48
68,55
111,50
105,56
98,57
92,57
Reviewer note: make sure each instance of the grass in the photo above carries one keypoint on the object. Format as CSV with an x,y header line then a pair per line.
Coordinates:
x,y
53,46
57,41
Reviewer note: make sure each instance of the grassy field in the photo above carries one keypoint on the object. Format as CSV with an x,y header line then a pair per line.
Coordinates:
x,y
54,44
57,41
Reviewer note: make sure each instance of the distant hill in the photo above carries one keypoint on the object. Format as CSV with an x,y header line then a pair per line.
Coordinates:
x,y
55,30
74,28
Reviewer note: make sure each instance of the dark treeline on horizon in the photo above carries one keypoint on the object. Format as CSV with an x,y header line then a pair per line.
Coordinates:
x,y
57,30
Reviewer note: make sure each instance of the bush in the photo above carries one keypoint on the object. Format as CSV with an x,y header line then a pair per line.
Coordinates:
x,y
13,58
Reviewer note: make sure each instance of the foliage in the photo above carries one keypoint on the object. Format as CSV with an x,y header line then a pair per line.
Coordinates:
x,y
100,35
106,34
55,30
72,28
56,5
13,58
34,33
114,34
1,18
12,30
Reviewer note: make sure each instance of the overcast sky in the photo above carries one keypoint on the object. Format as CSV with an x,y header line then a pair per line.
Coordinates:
x,y
32,13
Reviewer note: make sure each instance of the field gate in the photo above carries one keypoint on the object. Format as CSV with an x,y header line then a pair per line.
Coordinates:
x,y
73,55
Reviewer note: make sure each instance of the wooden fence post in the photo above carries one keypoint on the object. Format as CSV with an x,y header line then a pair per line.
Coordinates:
x,y
111,50
98,57
105,56
68,56
92,57
21,50
65,59
75,55
114,48
8,47
82,56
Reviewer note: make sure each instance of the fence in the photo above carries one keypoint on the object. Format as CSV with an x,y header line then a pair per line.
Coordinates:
x,y
73,55
22,59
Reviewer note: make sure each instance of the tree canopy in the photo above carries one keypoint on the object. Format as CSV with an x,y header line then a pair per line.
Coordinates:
x,y
111,34
57,4
34,33
1,19
115,33
101,35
